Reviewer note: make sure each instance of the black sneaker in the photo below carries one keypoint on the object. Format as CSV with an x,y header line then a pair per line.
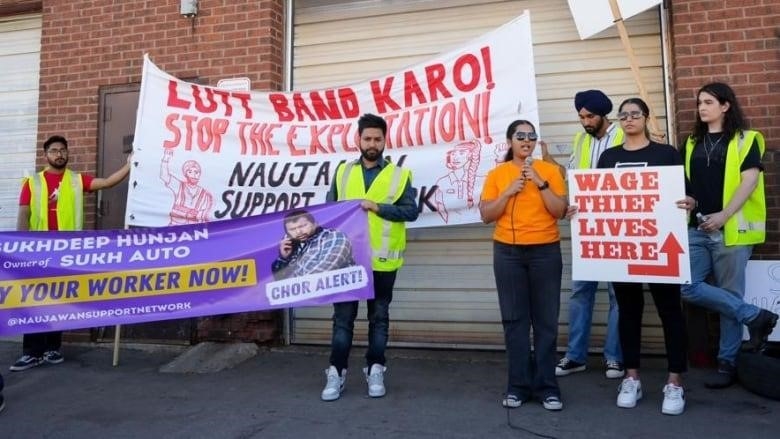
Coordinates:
x,y
725,376
552,403
53,357
511,401
26,362
566,367
614,369
759,329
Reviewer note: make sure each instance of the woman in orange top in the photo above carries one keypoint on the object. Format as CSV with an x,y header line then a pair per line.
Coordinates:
x,y
525,198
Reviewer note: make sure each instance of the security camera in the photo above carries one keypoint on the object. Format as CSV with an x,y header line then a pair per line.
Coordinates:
x,y
189,8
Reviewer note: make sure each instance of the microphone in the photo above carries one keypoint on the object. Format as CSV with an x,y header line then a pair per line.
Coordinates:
x,y
529,161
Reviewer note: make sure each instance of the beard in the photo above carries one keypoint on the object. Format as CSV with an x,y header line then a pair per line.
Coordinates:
x,y
371,154
58,163
595,129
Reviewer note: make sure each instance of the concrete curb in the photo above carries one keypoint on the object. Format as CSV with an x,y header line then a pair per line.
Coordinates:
x,y
210,357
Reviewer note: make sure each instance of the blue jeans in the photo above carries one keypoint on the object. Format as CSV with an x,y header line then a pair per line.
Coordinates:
x,y
583,296
344,315
528,280
725,294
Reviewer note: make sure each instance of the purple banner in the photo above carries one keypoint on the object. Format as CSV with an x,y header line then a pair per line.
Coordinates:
x,y
53,281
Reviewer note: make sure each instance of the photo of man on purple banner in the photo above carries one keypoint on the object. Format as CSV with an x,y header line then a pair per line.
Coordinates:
x,y
308,248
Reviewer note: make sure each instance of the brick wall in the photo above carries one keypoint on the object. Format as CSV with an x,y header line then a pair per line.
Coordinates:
x,y
89,44
737,42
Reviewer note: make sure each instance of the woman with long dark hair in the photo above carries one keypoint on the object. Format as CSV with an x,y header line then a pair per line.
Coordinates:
x,y
525,198
725,197
638,150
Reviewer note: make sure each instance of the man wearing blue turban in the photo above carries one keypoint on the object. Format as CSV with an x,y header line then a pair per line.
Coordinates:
x,y
593,106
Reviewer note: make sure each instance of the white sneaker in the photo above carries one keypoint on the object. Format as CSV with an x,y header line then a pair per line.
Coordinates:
x,y
629,392
335,384
674,400
376,380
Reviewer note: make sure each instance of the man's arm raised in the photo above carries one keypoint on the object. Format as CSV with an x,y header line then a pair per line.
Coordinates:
x,y
113,179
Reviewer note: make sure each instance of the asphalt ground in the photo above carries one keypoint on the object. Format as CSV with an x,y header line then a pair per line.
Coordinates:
x,y
276,394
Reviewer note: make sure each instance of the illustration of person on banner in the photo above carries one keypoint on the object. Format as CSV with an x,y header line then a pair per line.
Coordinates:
x,y
308,248
457,187
53,199
192,203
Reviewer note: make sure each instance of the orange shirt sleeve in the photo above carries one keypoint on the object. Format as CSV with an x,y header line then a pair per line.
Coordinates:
x,y
555,179
490,189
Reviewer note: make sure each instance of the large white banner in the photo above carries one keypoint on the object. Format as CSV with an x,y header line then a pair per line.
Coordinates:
x,y
206,154
628,227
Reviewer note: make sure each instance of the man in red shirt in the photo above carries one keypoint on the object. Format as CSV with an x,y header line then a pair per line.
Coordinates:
x,y
53,199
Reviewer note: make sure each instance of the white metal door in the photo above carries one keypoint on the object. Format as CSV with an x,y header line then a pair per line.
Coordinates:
x,y
20,49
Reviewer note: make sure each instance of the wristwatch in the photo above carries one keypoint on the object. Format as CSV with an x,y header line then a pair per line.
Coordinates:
x,y
544,185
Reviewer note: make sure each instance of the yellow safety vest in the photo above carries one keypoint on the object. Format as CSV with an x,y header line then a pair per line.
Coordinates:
x,y
582,144
70,202
388,238
748,225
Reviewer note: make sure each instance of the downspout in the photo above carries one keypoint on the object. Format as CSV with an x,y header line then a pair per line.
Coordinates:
x,y
288,78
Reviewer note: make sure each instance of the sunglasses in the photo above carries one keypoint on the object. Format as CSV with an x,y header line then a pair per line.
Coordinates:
x,y
526,136
632,114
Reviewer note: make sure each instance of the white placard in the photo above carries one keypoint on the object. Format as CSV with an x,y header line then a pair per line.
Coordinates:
x,y
593,16
762,288
628,227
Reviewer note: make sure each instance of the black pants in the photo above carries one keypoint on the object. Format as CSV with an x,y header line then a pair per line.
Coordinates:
x,y
344,314
528,280
631,303
35,345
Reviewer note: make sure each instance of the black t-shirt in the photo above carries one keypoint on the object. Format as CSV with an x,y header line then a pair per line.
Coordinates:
x,y
709,173
654,154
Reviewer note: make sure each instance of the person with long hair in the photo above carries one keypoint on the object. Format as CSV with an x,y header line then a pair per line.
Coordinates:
x,y
458,185
525,198
727,207
638,150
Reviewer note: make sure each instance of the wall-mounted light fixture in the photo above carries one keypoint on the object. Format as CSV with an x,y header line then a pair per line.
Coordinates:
x,y
189,8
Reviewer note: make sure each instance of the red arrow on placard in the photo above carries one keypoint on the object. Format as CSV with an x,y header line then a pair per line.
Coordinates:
x,y
673,250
